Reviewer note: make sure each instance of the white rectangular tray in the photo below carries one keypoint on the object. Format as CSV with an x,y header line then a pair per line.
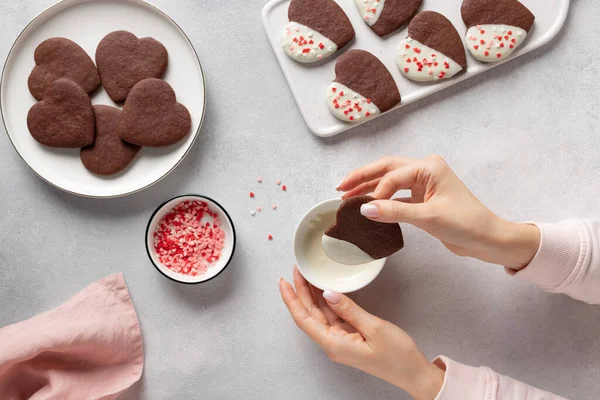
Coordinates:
x,y
308,82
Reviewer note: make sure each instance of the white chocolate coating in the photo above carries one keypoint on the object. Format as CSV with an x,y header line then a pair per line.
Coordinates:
x,y
304,44
422,63
348,105
370,10
491,43
344,252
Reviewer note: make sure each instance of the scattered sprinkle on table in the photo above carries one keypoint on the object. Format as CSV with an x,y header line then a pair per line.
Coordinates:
x,y
252,194
274,206
259,209
252,212
259,179
270,237
284,188
189,238
278,182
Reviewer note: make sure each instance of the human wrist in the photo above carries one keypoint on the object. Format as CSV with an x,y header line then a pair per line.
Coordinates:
x,y
513,245
428,384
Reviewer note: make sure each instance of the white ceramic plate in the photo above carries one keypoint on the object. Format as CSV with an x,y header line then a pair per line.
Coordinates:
x,y
308,82
86,22
226,253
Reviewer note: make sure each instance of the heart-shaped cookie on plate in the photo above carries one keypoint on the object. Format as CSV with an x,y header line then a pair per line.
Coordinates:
x,y
433,49
64,117
123,60
363,87
317,29
109,154
354,239
152,116
495,27
386,16
61,58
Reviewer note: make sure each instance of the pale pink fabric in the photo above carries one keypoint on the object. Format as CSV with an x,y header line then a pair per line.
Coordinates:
x,y
88,348
568,261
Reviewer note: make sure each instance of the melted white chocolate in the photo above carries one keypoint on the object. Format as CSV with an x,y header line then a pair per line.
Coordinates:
x,y
422,63
370,10
491,43
344,252
304,44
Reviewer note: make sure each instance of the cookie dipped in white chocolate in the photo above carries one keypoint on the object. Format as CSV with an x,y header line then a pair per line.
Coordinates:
x,y
344,252
491,43
370,10
304,44
349,105
421,63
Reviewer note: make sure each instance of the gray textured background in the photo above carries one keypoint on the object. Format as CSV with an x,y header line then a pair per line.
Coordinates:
x,y
524,137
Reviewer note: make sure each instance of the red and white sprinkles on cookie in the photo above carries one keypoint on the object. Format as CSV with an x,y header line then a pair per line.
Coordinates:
x,y
490,43
348,105
422,63
189,238
304,44
370,10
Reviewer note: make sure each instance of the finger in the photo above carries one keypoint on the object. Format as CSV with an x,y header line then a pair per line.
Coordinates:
x,y
350,312
328,313
314,329
303,290
391,211
398,179
363,188
372,171
404,200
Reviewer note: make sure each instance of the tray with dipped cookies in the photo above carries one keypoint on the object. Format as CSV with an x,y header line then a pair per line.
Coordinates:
x,y
349,61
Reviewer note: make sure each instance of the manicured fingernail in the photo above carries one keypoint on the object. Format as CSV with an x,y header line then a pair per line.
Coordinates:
x,y
280,281
332,297
369,210
340,184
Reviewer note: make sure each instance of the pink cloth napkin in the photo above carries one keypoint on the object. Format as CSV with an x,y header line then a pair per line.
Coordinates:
x,y
88,348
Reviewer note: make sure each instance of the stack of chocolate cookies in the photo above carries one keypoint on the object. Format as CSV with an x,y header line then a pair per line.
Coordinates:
x,y
130,69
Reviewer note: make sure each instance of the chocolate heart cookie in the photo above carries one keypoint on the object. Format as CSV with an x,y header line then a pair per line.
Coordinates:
x,y
495,27
61,58
433,49
363,87
64,117
152,116
386,16
317,29
354,239
123,60
109,154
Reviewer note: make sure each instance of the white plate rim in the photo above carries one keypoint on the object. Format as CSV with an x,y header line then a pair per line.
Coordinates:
x,y
273,39
110,196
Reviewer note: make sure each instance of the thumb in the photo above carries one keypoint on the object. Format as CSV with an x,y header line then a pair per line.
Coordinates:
x,y
392,211
351,312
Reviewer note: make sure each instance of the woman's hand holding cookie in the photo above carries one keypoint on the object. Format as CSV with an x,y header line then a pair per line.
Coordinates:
x,y
443,206
353,337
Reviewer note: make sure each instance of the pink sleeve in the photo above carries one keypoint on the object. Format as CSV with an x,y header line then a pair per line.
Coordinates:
x,y
462,382
568,260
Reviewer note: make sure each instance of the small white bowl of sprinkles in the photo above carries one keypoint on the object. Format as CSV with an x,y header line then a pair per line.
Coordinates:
x,y
190,239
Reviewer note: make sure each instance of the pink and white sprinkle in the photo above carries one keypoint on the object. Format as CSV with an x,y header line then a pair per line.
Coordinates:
x,y
189,238
259,179
278,182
